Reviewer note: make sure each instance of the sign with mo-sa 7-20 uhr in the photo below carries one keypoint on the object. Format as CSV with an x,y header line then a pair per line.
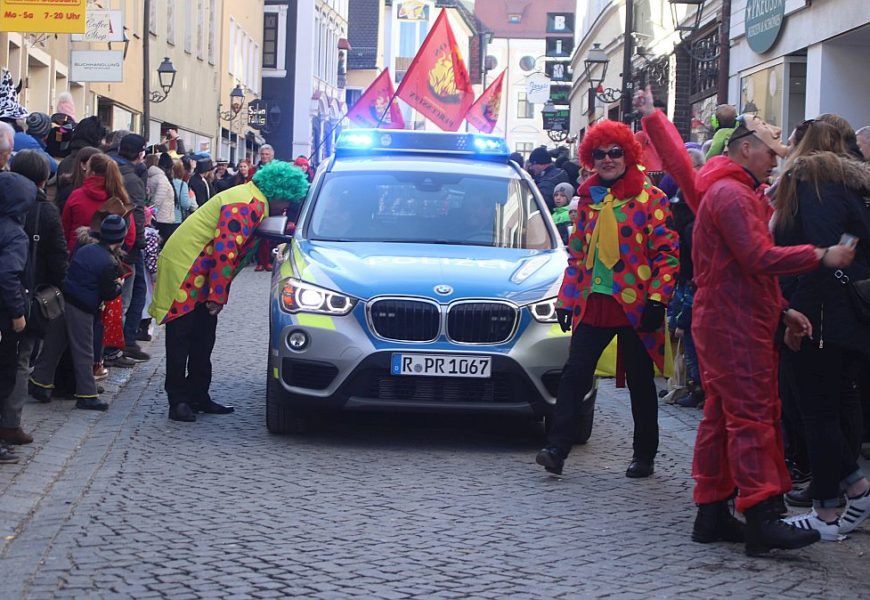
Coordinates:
x,y
43,16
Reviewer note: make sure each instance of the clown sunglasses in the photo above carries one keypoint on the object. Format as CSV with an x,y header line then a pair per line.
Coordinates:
x,y
614,153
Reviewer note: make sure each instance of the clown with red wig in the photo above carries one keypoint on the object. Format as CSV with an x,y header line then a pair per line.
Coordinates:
x,y
621,272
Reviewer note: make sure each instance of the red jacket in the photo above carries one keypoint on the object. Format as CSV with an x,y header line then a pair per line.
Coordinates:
x,y
79,209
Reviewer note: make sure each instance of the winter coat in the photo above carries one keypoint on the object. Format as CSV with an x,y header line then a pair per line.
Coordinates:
x,y
823,215
738,302
182,192
201,189
161,195
52,258
91,279
198,262
563,221
648,252
17,195
134,182
81,206
25,141
547,182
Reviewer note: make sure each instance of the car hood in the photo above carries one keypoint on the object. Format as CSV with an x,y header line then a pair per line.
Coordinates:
x,y
365,270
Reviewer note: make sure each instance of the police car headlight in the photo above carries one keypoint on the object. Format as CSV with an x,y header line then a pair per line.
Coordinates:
x,y
298,296
544,311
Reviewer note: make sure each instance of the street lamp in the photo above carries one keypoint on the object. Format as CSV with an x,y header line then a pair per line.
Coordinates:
x,y
598,57
237,100
166,76
708,52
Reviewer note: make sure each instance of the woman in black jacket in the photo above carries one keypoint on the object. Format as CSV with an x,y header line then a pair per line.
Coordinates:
x,y
819,198
49,268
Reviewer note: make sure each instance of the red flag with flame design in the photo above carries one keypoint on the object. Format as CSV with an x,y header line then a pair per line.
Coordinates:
x,y
373,103
483,114
437,84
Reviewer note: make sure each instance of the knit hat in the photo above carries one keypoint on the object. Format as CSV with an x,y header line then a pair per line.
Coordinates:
x,y
9,106
131,145
38,124
66,105
113,229
90,131
566,189
540,156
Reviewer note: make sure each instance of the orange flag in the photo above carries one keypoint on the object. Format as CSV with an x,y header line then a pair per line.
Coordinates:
x,y
373,103
437,84
483,114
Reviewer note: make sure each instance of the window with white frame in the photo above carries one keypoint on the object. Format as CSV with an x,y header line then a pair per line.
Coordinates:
x,y
188,26
152,18
170,22
525,109
200,28
270,40
279,50
212,11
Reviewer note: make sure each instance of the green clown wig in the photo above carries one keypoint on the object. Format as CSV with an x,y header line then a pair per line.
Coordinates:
x,y
279,180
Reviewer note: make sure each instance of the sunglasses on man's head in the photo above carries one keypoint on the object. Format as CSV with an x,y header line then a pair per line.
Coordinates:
x,y
614,153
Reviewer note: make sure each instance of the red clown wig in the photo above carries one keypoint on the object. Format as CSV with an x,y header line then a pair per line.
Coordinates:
x,y
606,133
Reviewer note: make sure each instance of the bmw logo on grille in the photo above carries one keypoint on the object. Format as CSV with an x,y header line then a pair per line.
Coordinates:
x,y
443,289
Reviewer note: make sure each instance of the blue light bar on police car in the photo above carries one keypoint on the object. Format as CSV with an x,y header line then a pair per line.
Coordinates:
x,y
380,141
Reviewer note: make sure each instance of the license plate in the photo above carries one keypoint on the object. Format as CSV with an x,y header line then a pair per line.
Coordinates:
x,y
441,365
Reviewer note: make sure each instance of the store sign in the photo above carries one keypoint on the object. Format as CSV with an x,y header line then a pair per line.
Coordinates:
x,y
560,23
557,70
257,114
43,16
102,26
560,47
413,10
560,94
537,88
105,66
763,23
558,120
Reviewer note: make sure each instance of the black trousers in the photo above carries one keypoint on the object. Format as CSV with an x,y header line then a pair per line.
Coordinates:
x,y
830,406
189,343
587,344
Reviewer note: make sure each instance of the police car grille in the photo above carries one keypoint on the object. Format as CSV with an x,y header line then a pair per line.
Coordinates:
x,y
405,320
481,322
497,389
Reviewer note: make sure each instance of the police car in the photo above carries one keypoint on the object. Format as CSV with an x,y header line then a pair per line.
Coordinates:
x,y
422,276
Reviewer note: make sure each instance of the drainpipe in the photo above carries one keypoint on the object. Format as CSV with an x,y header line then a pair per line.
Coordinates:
x,y
146,69
627,52
724,53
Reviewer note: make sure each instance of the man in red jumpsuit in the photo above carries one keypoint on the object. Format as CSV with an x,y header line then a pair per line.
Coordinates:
x,y
738,308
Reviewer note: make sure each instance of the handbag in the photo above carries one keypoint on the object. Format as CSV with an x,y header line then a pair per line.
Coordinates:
x,y
45,302
859,295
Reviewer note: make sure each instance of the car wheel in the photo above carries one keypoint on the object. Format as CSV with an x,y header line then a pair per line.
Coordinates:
x,y
281,417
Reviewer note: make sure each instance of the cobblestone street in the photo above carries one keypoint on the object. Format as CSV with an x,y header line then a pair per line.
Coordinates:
x,y
128,504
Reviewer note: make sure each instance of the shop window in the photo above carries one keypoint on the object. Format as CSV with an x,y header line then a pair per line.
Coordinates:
x,y
761,94
702,111
270,41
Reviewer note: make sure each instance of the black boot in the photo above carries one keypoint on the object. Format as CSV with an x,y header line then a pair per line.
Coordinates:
x,y
764,531
715,523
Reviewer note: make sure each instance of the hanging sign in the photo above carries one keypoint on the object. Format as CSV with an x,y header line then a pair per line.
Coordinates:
x,y
559,47
560,94
105,66
43,16
558,71
763,23
102,26
559,119
537,88
560,23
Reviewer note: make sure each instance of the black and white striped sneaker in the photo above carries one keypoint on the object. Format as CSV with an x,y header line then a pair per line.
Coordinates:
x,y
857,509
830,532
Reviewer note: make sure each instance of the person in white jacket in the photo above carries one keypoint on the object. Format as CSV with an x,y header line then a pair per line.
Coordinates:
x,y
160,194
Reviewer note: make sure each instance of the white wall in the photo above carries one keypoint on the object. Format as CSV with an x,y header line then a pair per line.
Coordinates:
x,y
837,81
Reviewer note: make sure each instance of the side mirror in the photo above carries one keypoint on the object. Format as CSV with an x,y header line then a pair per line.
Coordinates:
x,y
274,229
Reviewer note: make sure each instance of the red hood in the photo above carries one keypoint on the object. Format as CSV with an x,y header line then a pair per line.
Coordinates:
x,y
722,167
629,186
94,187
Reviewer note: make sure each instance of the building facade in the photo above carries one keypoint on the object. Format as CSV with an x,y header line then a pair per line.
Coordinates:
x,y
307,87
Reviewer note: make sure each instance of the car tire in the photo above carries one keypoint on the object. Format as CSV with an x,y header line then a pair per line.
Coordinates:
x,y
281,417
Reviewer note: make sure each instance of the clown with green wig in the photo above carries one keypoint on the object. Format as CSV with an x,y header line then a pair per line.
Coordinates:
x,y
194,273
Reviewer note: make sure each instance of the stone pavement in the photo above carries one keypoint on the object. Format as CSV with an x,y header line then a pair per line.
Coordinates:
x,y
127,504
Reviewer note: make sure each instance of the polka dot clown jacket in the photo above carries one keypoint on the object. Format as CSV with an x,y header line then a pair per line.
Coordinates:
x,y
200,259
645,254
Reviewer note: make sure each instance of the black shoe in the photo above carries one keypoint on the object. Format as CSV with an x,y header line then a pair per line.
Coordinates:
x,y
143,336
213,408
91,404
121,361
182,412
692,400
778,504
551,459
135,353
765,531
803,498
714,523
639,468
798,475
42,394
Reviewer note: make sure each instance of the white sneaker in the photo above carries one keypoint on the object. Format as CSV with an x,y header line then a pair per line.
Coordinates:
x,y
830,532
857,509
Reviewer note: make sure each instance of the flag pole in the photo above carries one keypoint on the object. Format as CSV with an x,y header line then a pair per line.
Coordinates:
x,y
389,106
326,137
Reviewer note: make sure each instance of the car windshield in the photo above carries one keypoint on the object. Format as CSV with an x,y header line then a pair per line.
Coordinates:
x,y
428,208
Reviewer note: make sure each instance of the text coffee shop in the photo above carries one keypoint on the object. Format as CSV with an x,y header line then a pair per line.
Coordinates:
x,y
795,59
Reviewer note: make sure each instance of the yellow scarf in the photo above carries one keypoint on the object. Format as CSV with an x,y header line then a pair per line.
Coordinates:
x,y
605,236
